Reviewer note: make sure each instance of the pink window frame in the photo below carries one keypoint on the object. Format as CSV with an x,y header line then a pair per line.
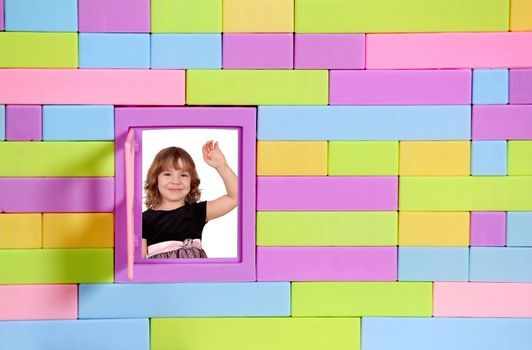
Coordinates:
x,y
209,270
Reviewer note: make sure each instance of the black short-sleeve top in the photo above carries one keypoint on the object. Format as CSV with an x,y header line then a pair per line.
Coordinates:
x,y
174,225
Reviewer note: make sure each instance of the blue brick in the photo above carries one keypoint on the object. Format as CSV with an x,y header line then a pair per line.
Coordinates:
x,y
490,86
519,229
198,51
2,122
489,158
500,264
41,15
433,264
102,50
72,123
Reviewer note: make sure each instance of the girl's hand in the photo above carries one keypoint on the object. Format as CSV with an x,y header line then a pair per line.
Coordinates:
x,y
212,154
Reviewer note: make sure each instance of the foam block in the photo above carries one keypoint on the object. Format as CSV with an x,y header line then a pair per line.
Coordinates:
x,y
23,123
108,16
258,16
502,122
400,87
37,50
364,123
196,51
78,123
489,158
519,229
519,158
253,87
258,333
482,299
363,158
442,333
258,51
76,334
326,193
433,264
81,230
434,158
1,14
359,16
354,228
2,122
488,229
20,231
520,86
465,193
61,159
41,16
520,15
292,158
326,263
108,50
57,195
434,229
490,86
330,51
166,300
438,50
500,264
87,86
183,16
43,266
39,302
361,299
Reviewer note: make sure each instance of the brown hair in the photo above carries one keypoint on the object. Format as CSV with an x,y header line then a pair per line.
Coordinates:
x,y
166,157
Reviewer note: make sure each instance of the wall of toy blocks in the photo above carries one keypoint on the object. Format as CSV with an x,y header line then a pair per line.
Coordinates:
x,y
394,171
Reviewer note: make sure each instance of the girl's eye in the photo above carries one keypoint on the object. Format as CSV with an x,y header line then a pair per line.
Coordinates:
x,y
184,175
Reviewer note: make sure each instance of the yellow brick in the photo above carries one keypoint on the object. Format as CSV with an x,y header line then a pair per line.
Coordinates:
x,y
292,158
79,230
20,231
520,15
418,158
258,16
434,229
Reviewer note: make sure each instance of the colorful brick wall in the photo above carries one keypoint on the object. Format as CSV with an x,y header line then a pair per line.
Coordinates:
x,y
394,171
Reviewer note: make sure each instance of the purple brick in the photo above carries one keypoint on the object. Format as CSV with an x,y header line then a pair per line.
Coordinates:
x,y
23,123
488,229
520,86
258,51
330,51
131,16
502,122
1,14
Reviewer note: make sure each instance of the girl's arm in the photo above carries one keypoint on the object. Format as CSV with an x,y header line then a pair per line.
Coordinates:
x,y
144,248
214,157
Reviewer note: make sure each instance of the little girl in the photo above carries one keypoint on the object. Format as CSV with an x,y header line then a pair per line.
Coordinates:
x,y
173,223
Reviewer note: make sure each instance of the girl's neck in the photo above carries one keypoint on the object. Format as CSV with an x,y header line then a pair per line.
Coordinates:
x,y
170,205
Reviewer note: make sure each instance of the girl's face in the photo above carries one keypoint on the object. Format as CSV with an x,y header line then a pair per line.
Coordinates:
x,y
174,186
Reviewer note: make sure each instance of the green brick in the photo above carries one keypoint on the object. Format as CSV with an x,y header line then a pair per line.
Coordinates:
x,y
362,299
34,266
57,159
465,193
255,333
257,87
186,16
363,158
519,157
38,50
362,228
384,16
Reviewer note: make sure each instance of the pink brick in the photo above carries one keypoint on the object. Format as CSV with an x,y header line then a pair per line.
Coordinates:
x,y
449,50
327,193
131,16
38,302
466,299
326,263
258,51
30,195
488,229
400,87
330,51
502,122
23,123
521,86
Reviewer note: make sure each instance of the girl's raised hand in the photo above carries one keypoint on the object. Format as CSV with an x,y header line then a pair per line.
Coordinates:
x,y
212,154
